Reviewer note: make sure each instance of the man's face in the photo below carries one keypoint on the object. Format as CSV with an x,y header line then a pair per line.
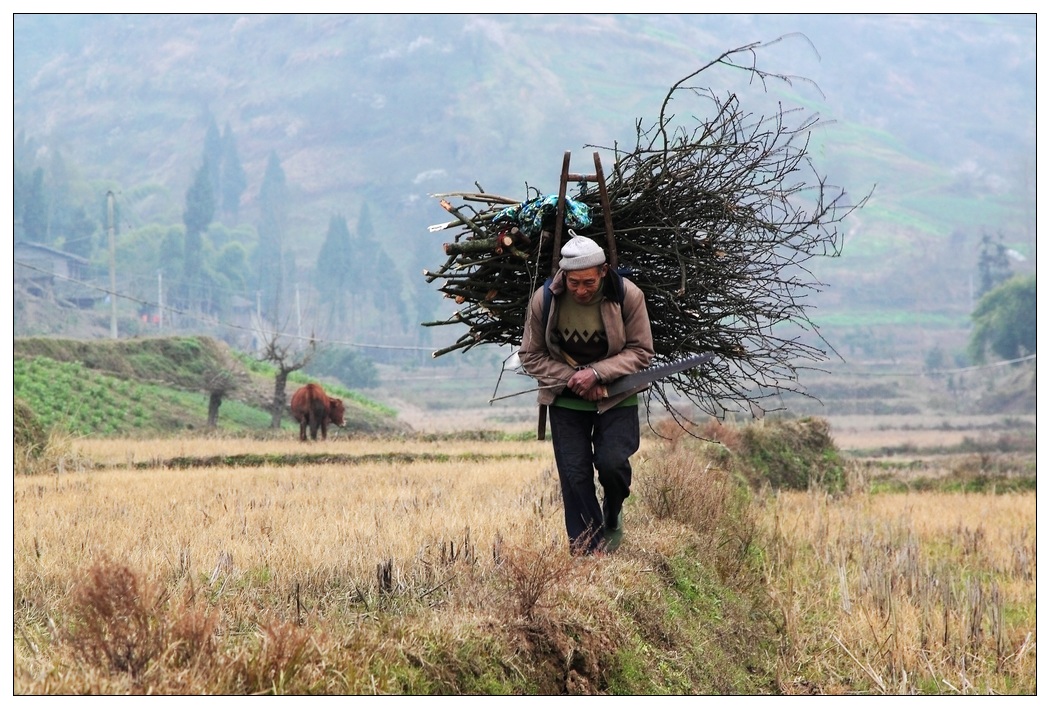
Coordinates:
x,y
583,284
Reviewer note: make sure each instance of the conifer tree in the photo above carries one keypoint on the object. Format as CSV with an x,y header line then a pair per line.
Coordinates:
x,y
200,208
387,299
60,199
232,180
213,150
364,267
365,228
169,253
34,215
21,181
334,269
268,258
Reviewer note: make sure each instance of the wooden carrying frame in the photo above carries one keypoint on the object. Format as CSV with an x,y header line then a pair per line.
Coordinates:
x,y
559,225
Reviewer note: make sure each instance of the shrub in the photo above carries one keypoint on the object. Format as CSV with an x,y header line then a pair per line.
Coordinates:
x,y
40,450
353,369
29,435
693,486
530,572
792,455
125,624
783,453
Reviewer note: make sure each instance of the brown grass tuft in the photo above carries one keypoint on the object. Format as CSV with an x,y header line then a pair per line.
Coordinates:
x,y
530,572
729,435
117,627
690,486
126,624
285,652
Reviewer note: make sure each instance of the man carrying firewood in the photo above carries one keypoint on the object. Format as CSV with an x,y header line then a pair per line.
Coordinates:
x,y
586,327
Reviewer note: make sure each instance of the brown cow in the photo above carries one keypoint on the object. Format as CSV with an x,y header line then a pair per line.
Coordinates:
x,y
311,406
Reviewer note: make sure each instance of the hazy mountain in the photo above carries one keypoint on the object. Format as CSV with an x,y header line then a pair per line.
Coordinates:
x,y
937,113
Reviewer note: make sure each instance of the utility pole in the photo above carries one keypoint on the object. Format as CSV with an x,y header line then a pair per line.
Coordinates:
x,y
298,316
112,267
258,321
160,300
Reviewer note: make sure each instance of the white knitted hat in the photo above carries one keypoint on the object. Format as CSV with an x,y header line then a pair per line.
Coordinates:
x,y
580,252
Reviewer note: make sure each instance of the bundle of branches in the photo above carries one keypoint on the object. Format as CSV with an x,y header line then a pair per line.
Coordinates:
x,y
714,221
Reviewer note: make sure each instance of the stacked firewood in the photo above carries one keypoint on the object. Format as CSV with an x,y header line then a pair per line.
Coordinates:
x,y
495,262
715,222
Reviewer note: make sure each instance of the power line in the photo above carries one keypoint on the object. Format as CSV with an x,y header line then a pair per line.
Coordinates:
x,y
216,322
941,372
222,323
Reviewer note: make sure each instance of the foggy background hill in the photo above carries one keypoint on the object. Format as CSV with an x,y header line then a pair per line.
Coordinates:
x,y
372,114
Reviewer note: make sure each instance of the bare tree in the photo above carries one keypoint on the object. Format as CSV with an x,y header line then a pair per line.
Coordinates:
x,y
287,354
220,379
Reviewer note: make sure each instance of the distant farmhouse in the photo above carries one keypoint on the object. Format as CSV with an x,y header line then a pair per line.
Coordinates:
x,y
47,272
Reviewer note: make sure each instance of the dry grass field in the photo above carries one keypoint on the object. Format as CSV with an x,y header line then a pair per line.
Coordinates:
x,y
929,593
285,518
434,565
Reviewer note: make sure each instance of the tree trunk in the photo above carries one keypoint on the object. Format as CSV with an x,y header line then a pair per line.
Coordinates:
x,y
214,402
279,398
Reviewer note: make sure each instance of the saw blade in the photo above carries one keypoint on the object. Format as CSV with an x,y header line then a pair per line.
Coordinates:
x,y
648,376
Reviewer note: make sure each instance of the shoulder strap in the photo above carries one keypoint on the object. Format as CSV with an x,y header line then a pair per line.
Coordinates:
x,y
547,298
618,288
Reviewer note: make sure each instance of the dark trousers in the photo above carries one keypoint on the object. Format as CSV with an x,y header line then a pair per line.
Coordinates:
x,y
584,441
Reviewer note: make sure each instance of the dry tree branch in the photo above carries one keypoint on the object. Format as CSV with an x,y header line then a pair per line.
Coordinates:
x,y
715,220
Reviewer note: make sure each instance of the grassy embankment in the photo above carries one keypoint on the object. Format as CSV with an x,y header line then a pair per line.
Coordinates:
x,y
159,387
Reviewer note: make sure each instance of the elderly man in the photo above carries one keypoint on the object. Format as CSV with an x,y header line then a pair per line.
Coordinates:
x,y
590,328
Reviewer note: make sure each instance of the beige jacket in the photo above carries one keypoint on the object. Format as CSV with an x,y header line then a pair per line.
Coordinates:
x,y
627,328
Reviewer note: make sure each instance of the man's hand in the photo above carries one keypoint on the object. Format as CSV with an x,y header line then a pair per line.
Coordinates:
x,y
585,384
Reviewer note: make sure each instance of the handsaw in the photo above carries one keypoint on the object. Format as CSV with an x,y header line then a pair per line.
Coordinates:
x,y
633,381
629,382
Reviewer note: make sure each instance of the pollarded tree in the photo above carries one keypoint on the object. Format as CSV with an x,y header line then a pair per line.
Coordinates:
x,y
287,355
221,376
1004,321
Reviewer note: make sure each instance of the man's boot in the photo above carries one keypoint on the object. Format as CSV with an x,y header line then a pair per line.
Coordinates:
x,y
614,535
